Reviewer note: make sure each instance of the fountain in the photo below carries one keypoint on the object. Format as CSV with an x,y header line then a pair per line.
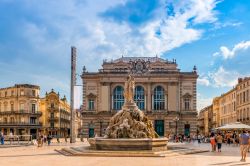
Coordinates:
x,y
129,129
130,133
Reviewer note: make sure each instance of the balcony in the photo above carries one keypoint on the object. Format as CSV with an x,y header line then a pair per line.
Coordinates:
x,y
54,109
53,119
21,112
20,124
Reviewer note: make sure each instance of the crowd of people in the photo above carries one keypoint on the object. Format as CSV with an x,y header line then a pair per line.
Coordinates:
x,y
46,139
235,138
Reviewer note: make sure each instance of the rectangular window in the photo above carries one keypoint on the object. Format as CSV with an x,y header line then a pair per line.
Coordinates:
x,y
91,104
52,125
6,93
12,107
12,93
22,92
32,120
22,107
187,103
52,105
33,108
33,93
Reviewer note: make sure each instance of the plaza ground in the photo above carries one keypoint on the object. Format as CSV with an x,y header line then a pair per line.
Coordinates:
x,y
33,156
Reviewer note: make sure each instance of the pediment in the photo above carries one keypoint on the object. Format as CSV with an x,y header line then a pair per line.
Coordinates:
x,y
187,95
91,95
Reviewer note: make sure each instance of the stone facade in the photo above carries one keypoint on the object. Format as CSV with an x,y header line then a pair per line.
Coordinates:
x,y
233,106
165,94
228,107
55,114
205,122
19,110
243,100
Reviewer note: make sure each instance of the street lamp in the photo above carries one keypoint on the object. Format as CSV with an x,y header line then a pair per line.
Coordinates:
x,y
176,119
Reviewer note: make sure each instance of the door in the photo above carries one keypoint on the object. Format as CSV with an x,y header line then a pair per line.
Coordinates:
x,y
91,133
159,127
33,133
187,129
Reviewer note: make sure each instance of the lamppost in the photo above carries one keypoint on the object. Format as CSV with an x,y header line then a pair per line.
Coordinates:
x,y
101,122
176,119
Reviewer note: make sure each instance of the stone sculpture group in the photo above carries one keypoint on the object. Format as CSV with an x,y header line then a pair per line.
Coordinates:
x,y
130,122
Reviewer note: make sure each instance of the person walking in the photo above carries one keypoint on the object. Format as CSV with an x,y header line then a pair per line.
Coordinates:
x,y
57,138
219,139
244,141
66,138
49,138
212,142
11,137
199,139
40,140
2,138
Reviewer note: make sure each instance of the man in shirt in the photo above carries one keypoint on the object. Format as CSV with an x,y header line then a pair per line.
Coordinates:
x,y
244,139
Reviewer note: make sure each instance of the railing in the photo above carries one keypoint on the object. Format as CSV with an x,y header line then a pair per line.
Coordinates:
x,y
53,108
21,112
21,123
13,139
53,118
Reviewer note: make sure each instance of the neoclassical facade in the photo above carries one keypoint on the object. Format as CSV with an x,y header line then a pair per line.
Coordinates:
x,y
163,92
19,110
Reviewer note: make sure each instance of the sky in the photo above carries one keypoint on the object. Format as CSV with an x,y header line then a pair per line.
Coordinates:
x,y
36,37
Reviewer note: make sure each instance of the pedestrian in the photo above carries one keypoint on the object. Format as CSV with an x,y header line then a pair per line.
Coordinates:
x,y
2,138
219,139
199,139
57,138
244,141
11,137
66,138
228,138
212,142
40,140
49,138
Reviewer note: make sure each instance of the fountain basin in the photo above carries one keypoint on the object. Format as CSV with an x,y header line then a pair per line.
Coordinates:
x,y
123,144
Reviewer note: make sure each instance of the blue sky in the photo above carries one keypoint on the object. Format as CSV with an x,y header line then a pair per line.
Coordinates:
x,y
36,36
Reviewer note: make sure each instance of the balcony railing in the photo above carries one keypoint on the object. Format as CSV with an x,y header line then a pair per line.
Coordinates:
x,y
20,124
53,108
21,112
53,118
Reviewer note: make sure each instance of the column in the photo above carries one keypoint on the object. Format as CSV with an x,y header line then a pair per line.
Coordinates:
x,y
149,98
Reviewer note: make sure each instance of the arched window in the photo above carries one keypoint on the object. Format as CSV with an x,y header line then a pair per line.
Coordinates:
x,y
159,98
118,98
139,97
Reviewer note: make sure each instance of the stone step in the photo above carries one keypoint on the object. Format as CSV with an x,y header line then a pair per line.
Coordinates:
x,y
74,151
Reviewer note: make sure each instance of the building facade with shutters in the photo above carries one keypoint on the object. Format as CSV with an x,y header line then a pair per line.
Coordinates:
x,y
55,114
163,92
19,110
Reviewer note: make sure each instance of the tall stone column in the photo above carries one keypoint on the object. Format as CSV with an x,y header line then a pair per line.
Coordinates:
x,y
149,98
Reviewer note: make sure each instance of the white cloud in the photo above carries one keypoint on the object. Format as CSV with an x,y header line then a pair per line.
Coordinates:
x,y
61,25
203,81
224,78
203,101
226,53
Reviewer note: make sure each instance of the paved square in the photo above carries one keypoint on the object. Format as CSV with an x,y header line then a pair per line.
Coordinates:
x,y
31,155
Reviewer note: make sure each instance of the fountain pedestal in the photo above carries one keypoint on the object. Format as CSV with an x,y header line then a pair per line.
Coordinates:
x,y
152,144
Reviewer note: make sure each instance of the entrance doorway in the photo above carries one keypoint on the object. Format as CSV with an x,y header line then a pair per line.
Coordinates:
x,y
33,132
187,129
91,133
159,127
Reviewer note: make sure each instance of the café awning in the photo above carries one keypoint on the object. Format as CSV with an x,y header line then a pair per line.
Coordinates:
x,y
234,126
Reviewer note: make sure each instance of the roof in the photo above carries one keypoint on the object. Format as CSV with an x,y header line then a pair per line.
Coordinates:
x,y
151,59
22,86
